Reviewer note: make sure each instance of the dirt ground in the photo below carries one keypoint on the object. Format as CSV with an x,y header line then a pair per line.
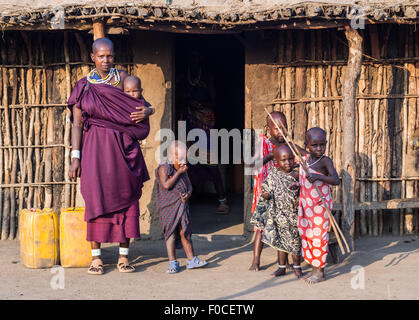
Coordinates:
x,y
390,271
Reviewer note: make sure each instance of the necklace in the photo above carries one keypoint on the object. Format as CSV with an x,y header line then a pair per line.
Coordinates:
x,y
95,78
312,164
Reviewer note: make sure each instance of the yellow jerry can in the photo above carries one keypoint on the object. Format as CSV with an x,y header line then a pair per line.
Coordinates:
x,y
74,248
39,238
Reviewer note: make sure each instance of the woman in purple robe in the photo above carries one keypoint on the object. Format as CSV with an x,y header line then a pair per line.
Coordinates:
x,y
107,156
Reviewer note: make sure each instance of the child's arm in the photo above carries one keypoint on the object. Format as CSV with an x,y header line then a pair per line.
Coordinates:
x,y
267,188
295,185
331,178
268,157
168,182
188,194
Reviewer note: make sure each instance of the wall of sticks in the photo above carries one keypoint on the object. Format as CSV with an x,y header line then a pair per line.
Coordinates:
x,y
38,70
37,73
310,66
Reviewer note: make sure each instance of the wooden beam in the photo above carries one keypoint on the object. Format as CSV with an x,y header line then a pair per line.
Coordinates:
x,y
391,204
98,29
350,84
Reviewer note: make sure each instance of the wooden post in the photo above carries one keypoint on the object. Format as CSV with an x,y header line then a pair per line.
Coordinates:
x,y
300,88
351,78
98,29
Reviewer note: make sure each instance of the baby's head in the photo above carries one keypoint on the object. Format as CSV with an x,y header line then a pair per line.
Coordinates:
x,y
316,141
132,86
177,153
273,128
283,157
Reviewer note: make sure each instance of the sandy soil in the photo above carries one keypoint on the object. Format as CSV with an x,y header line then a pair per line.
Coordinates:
x,y
390,271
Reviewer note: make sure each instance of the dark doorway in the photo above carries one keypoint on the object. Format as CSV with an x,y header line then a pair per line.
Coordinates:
x,y
221,58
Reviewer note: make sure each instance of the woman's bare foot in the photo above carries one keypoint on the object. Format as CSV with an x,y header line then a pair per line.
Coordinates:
x,y
280,272
255,266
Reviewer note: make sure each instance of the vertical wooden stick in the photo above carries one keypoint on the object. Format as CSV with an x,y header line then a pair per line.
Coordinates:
x,y
350,84
67,128
7,155
361,150
300,108
13,215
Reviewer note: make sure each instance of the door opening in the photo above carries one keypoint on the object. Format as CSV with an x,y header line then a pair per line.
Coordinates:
x,y
209,93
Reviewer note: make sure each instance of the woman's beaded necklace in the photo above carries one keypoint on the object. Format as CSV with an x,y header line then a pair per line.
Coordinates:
x,y
95,78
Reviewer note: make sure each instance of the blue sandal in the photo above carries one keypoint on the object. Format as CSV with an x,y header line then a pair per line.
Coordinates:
x,y
173,267
196,263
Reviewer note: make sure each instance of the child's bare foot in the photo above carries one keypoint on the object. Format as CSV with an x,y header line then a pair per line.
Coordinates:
x,y
307,275
280,272
254,266
317,276
297,271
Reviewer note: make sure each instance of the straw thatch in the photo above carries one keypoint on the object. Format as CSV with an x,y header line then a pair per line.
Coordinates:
x,y
233,13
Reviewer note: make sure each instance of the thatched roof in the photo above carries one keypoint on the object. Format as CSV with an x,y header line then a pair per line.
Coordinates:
x,y
222,14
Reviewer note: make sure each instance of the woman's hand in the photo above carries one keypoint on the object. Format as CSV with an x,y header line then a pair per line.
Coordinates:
x,y
142,113
75,169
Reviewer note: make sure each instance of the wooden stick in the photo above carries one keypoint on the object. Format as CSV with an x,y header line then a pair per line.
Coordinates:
x,y
297,154
361,149
7,155
13,215
1,159
68,191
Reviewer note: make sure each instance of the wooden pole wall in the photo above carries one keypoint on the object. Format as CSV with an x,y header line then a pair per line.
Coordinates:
x,y
385,99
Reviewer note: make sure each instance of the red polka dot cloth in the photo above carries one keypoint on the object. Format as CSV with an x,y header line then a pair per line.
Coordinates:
x,y
313,221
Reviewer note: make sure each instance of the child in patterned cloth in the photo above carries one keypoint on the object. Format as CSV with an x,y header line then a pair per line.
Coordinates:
x,y
276,212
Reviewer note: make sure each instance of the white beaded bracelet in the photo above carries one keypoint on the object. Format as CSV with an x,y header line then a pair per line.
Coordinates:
x,y
75,154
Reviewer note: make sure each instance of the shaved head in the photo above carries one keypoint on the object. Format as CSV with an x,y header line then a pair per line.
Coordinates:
x,y
315,132
282,149
132,81
102,43
177,151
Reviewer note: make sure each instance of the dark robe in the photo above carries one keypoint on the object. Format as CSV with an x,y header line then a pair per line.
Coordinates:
x,y
112,165
173,212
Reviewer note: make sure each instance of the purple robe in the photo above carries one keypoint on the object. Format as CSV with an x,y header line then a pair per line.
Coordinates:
x,y
112,165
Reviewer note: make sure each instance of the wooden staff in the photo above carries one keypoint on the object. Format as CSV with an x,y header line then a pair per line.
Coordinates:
x,y
297,154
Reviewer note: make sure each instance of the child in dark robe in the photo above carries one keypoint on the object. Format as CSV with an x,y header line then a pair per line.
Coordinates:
x,y
173,191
